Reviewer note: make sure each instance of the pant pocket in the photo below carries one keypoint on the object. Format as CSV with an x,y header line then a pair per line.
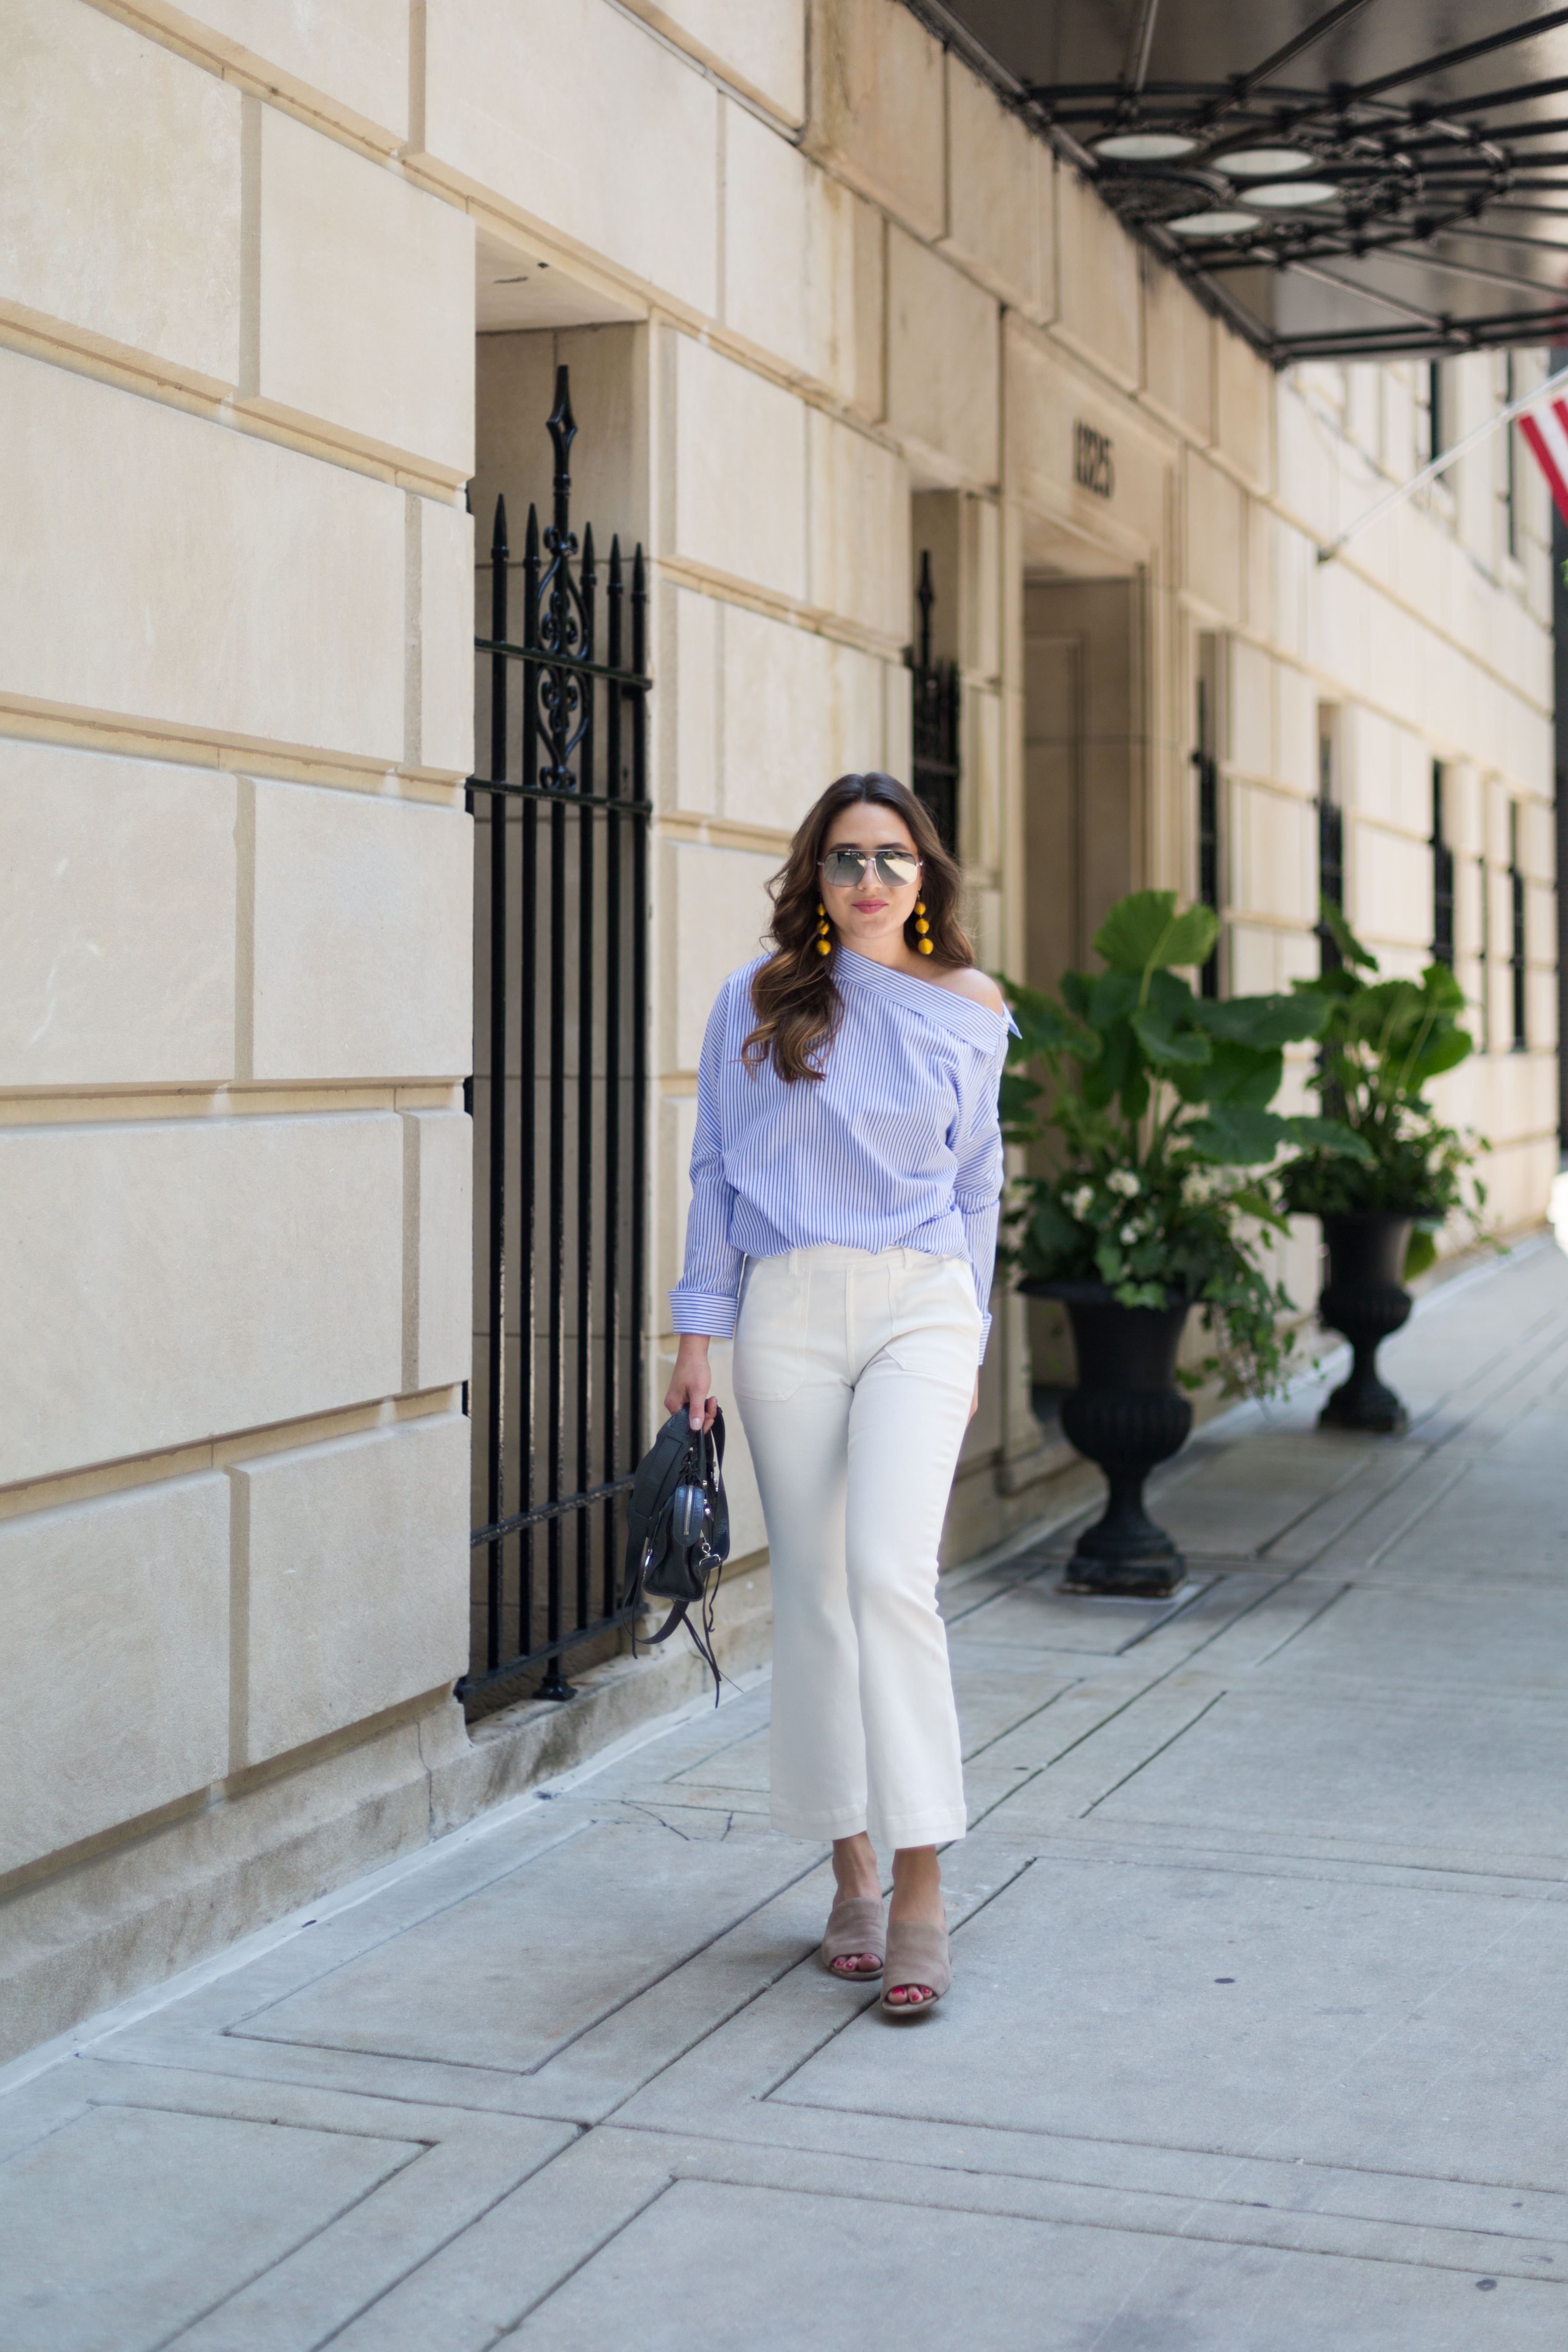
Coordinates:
x,y
770,1332
934,1322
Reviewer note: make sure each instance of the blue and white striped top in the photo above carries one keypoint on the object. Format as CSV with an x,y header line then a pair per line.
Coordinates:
x,y
896,1146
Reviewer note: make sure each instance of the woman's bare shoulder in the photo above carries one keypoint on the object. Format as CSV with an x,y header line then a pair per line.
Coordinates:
x,y
968,979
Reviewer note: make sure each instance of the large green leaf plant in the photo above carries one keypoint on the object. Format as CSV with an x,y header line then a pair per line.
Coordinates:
x,y
1155,1105
1384,1042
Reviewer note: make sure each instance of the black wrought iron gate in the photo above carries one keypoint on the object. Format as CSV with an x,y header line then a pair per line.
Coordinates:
x,y
558,1093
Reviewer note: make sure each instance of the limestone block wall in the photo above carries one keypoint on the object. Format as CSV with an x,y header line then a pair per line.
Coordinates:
x,y
883,293
827,305
1431,640
236,415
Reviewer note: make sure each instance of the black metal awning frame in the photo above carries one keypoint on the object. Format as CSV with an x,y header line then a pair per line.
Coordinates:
x,y
1438,181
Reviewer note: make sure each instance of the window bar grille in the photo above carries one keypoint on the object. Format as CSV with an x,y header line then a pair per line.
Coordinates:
x,y
1436,422
1516,958
1511,461
1331,847
1442,878
935,694
1331,876
1484,878
561,1165
1207,767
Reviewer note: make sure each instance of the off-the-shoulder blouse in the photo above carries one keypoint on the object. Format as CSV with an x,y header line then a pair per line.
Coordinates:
x,y
896,1146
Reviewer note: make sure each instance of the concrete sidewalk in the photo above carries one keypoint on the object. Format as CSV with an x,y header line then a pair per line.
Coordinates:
x,y
1257,2040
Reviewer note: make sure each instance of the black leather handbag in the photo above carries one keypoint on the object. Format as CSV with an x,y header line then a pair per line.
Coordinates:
x,y
678,1531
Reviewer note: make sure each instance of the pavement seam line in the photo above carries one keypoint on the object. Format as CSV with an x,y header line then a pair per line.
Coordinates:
x,y
714,2135
527,2073
436,1911
1152,1757
593,2253
1195,2149
472,2221
1034,1713
711,2177
1304,1627
310,2238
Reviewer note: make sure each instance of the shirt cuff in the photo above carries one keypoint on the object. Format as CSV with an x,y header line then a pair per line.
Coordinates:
x,y
710,1312
984,1335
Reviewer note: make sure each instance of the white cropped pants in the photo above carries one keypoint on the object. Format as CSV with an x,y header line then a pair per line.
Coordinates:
x,y
854,1371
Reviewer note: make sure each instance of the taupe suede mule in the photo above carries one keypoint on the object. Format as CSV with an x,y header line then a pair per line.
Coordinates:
x,y
917,1955
855,1924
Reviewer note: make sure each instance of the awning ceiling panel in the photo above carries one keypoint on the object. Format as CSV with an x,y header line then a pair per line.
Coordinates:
x,y
1367,179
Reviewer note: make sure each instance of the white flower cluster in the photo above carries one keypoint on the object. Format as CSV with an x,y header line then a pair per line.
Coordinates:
x,y
1200,1184
1080,1204
1122,1181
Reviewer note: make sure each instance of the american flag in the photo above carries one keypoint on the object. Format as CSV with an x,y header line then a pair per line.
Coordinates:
x,y
1546,430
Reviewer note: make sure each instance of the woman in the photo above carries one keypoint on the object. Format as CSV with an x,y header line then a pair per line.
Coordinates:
x,y
845,1176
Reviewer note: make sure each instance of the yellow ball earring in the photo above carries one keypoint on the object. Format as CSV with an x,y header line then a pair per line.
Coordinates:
x,y
824,944
925,945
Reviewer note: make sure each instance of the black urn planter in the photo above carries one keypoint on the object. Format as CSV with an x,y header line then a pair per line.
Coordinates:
x,y
1126,1415
1366,1299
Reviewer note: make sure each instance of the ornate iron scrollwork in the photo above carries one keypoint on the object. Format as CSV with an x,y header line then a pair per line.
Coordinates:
x,y
558,614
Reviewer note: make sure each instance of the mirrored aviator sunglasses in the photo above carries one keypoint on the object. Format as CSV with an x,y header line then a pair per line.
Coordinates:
x,y
898,868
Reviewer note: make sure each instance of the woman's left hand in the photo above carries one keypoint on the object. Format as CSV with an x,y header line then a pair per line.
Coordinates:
x,y
975,1400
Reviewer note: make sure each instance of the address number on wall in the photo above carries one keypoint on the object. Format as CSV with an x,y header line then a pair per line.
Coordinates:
x,y
1093,467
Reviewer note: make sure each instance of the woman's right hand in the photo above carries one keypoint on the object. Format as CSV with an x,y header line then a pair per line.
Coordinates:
x,y
690,1388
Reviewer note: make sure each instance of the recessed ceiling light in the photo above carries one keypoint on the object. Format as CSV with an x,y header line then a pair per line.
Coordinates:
x,y
1213,224
1144,146
1261,162
1293,192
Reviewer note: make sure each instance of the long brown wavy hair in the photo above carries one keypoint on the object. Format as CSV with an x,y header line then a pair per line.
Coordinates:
x,y
798,1008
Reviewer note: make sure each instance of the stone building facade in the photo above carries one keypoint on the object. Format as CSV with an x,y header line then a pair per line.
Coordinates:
x,y
283,290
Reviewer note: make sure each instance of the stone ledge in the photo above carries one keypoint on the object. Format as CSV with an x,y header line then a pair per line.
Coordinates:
x,y
996,1495
1050,1458
110,1926
511,1750
122,1921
